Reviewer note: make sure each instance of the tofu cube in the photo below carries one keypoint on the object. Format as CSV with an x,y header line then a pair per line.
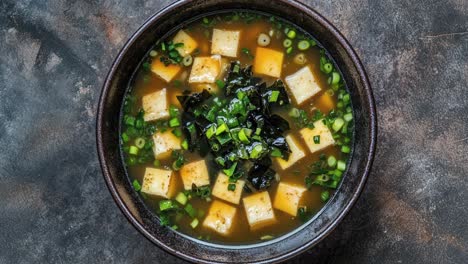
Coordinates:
x,y
296,154
321,130
220,217
259,210
167,73
189,43
225,42
164,144
287,197
220,189
302,84
268,62
195,173
158,182
205,69
155,105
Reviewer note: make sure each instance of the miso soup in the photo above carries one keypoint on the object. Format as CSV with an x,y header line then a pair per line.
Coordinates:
x,y
236,128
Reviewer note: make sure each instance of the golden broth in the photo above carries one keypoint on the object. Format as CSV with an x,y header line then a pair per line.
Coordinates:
x,y
145,83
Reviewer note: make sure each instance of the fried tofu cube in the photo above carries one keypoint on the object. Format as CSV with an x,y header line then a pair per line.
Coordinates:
x,y
189,43
259,210
225,42
158,182
296,154
195,173
287,197
164,144
268,62
220,217
205,69
221,191
155,105
167,73
322,132
302,84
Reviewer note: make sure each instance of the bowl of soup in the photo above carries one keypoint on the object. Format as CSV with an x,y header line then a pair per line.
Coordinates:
x,y
236,131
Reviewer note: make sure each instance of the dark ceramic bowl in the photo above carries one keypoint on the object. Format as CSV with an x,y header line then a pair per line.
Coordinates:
x,y
281,248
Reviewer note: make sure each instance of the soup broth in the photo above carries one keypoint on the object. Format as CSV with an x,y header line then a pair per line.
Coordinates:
x,y
236,128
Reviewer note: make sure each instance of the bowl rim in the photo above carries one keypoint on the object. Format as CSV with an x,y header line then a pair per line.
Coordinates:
x,y
372,129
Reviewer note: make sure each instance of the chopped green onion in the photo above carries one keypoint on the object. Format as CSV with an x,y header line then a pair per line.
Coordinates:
x,y
327,67
273,96
210,132
287,43
337,174
181,198
174,122
129,120
303,45
224,138
194,223
184,144
177,132
258,131
133,150
156,163
192,212
140,142
153,53
125,137
166,205
348,117
187,60
289,50
291,34
346,98
220,84
335,78
136,185
220,161
294,112
338,124
276,153
231,187
256,151
325,195
331,161
341,165
317,139
243,136
323,178
345,149
229,172
222,128
232,122
173,111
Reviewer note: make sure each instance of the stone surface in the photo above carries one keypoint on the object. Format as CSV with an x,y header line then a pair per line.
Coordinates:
x,y
56,208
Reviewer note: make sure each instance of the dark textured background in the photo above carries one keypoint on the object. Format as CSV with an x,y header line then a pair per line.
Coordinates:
x,y
55,207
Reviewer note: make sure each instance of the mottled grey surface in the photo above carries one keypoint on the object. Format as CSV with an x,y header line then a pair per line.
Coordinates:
x,y
56,208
